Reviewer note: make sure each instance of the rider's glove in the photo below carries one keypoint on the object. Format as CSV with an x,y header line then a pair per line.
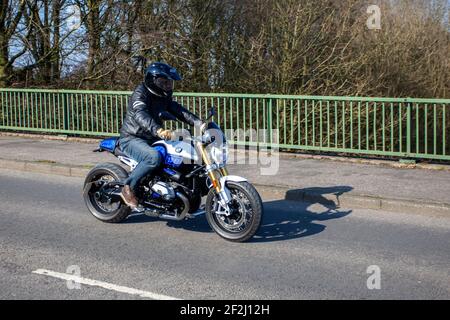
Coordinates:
x,y
164,134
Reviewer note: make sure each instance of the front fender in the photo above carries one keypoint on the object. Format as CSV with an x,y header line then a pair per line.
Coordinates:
x,y
223,180
224,194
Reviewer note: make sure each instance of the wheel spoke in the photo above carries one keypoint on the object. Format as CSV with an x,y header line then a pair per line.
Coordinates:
x,y
106,207
241,215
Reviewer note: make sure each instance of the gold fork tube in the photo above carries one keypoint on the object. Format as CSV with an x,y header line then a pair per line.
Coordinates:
x,y
207,161
224,171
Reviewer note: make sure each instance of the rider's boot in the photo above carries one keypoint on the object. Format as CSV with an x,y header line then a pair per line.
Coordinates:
x,y
128,197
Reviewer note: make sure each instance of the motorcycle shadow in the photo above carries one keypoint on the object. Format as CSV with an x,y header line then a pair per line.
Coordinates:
x,y
287,219
198,224
283,219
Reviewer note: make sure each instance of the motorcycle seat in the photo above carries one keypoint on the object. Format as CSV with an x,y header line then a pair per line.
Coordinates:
x,y
111,145
118,152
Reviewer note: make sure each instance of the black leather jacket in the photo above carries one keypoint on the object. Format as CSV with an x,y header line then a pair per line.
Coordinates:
x,y
142,118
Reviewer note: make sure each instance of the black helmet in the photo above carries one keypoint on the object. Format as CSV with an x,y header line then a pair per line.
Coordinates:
x,y
154,79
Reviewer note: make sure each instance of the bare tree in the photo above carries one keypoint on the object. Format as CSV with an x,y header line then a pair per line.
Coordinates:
x,y
320,47
10,16
43,39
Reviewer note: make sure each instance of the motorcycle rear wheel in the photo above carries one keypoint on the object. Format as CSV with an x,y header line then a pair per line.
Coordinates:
x,y
100,208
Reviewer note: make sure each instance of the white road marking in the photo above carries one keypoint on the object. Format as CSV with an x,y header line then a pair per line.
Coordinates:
x,y
105,285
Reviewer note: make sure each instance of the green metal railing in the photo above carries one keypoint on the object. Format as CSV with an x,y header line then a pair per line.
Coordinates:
x,y
414,128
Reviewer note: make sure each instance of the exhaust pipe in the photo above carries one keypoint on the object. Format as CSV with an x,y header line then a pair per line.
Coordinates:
x,y
183,214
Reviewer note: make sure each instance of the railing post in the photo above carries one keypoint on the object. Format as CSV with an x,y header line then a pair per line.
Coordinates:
x,y
269,121
408,135
408,127
65,108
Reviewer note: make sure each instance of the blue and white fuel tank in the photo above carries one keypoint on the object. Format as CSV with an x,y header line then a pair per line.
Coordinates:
x,y
175,153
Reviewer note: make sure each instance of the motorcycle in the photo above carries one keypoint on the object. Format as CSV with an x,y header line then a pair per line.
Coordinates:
x,y
194,167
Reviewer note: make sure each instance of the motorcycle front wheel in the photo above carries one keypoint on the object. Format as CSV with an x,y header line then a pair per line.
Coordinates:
x,y
246,212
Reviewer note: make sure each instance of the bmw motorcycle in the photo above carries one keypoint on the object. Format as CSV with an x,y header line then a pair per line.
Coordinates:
x,y
194,167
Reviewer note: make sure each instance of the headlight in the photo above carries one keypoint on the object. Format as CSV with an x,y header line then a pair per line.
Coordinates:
x,y
219,154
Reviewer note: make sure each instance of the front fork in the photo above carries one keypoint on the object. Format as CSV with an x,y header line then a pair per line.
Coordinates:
x,y
215,173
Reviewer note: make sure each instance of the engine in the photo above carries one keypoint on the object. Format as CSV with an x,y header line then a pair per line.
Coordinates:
x,y
163,190
163,200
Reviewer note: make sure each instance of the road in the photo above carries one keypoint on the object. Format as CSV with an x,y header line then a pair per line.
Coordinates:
x,y
302,251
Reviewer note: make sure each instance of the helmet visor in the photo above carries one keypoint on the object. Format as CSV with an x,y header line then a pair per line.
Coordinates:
x,y
164,84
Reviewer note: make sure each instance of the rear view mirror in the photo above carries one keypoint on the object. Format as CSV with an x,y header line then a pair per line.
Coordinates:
x,y
211,114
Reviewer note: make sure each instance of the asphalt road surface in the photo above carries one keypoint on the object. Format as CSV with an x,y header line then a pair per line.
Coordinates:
x,y
302,251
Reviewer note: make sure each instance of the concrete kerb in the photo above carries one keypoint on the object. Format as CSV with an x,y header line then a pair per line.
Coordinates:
x,y
44,167
48,137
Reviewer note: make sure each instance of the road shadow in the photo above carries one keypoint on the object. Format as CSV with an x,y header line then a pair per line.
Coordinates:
x,y
288,219
198,224
283,219
139,218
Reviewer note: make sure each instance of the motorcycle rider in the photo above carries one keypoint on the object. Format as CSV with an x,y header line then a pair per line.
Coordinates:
x,y
142,124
